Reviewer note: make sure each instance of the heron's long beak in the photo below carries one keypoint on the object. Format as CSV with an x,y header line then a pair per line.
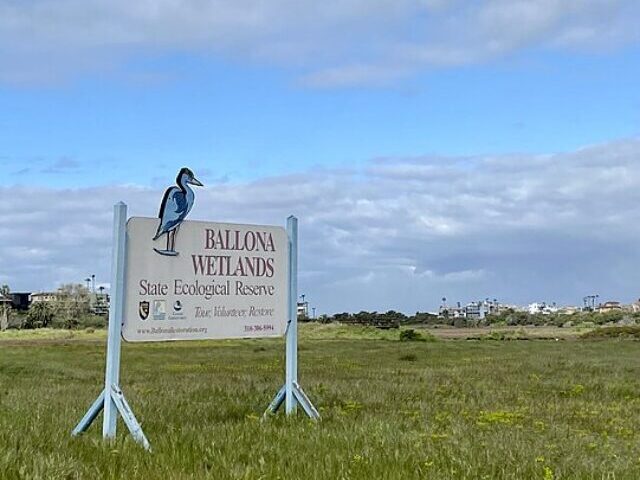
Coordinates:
x,y
196,182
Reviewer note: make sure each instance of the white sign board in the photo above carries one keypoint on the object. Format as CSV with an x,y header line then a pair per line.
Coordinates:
x,y
223,281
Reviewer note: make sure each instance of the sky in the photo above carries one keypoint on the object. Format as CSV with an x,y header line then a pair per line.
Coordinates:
x,y
432,148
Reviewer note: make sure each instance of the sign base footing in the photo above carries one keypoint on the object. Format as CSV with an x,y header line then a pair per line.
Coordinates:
x,y
299,397
114,394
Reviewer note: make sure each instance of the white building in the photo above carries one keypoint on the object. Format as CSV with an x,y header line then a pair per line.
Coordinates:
x,y
542,308
476,310
303,309
44,297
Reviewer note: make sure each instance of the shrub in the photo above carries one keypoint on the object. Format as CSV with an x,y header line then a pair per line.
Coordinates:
x,y
519,334
410,335
40,316
409,357
459,323
71,322
494,336
93,321
632,332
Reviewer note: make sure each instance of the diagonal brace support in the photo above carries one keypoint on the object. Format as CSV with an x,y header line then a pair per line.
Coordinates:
x,y
304,401
298,396
117,397
90,416
129,418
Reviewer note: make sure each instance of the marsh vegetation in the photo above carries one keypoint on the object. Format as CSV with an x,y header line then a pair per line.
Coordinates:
x,y
393,409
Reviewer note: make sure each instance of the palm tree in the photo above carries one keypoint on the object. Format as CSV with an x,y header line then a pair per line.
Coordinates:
x,y
4,307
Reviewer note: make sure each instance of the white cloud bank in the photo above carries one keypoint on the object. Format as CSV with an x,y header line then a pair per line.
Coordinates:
x,y
401,233
348,42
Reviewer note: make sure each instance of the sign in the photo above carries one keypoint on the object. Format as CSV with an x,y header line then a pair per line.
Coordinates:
x,y
226,281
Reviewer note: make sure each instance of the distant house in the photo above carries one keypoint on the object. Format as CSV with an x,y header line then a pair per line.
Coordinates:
x,y
542,308
450,311
44,297
475,310
96,303
610,307
569,310
99,303
20,300
472,311
303,309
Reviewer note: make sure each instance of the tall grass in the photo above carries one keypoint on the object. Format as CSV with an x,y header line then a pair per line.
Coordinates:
x,y
391,409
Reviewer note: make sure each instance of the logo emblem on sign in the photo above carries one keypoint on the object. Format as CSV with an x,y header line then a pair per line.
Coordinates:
x,y
143,310
159,311
176,204
177,306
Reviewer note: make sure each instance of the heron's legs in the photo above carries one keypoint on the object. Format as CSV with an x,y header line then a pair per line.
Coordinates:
x,y
168,235
173,238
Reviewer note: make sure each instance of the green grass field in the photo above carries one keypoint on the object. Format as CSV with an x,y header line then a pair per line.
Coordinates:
x,y
438,410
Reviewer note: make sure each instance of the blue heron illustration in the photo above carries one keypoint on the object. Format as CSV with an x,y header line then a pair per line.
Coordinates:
x,y
176,205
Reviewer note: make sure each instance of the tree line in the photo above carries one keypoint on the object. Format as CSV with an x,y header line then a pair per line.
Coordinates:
x,y
70,309
389,319
508,317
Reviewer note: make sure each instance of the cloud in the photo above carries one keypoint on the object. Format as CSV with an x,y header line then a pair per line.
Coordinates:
x,y
326,43
62,165
400,233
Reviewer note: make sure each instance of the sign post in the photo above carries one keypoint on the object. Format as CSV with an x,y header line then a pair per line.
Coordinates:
x,y
112,399
291,393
